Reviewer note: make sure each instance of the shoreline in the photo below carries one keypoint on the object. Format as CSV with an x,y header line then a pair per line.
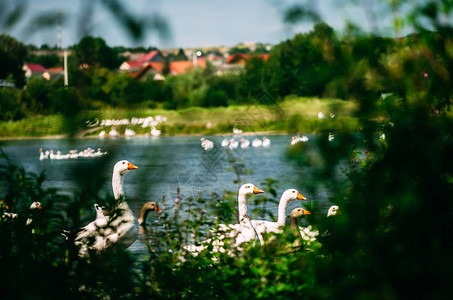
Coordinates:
x,y
81,137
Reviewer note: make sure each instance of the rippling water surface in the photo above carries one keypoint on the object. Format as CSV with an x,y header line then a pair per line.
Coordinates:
x,y
165,163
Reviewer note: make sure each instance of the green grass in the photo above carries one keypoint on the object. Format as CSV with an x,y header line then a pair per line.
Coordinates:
x,y
294,115
37,126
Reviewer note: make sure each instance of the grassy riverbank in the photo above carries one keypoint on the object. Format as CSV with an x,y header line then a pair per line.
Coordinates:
x,y
290,116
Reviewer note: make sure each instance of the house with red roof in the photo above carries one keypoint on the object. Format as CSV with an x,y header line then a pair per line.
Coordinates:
x,y
56,72
152,56
236,62
155,69
137,65
241,58
32,69
131,66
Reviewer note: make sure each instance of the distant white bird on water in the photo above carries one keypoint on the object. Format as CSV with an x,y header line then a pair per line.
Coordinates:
x,y
257,143
206,144
233,144
225,143
245,143
266,142
331,137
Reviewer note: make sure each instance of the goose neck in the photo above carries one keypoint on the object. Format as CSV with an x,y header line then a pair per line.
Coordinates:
x,y
142,215
117,185
294,224
282,212
242,207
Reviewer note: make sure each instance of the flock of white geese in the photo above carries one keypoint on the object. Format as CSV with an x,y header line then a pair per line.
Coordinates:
x,y
72,154
119,229
243,143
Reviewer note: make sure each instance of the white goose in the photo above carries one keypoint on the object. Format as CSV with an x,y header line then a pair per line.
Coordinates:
x,y
241,232
113,132
34,207
233,144
245,143
263,226
309,234
333,211
225,143
121,228
257,143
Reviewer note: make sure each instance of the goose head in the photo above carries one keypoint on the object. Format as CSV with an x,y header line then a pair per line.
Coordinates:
x,y
249,188
292,195
299,212
295,215
123,167
149,206
36,205
333,210
146,208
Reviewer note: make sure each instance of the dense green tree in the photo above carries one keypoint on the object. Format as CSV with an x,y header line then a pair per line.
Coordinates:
x,y
237,49
48,61
94,52
10,106
12,56
180,56
253,78
37,95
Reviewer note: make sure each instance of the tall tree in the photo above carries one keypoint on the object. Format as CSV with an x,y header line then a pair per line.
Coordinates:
x,y
12,55
180,55
95,52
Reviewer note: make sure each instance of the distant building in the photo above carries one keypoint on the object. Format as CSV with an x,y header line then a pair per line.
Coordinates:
x,y
37,70
236,62
152,56
136,67
32,69
55,73
155,70
131,66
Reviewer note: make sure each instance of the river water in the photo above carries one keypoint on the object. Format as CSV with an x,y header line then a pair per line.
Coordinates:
x,y
166,163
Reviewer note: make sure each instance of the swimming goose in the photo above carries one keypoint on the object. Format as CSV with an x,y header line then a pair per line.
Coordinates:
x,y
241,232
263,226
34,207
225,143
333,210
143,214
244,143
295,215
257,143
121,229
309,234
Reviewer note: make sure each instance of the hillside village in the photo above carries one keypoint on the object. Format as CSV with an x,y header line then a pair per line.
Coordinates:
x,y
157,64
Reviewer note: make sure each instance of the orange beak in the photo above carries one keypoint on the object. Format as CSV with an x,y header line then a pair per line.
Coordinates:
x,y
157,208
131,166
257,190
40,207
300,197
306,212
